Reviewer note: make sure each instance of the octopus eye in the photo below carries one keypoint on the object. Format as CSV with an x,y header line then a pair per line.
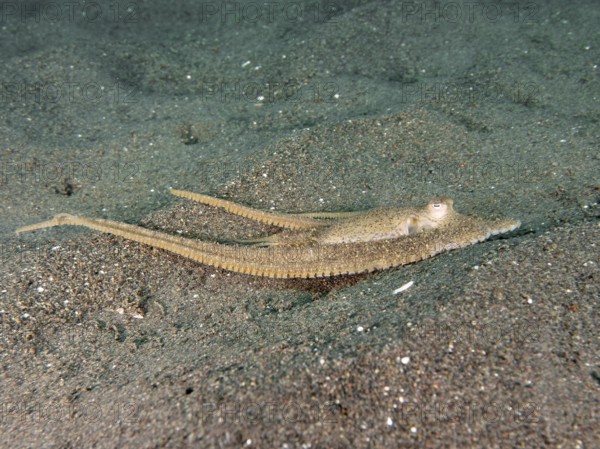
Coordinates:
x,y
438,210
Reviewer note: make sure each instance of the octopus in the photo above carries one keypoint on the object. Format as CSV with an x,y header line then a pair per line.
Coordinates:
x,y
316,244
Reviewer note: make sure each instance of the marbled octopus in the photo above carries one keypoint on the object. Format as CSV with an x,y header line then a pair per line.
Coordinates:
x,y
317,244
